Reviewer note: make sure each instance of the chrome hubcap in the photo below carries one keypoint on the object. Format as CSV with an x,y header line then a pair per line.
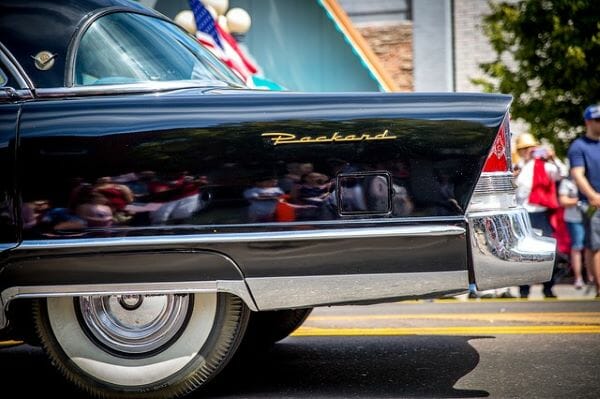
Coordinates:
x,y
134,324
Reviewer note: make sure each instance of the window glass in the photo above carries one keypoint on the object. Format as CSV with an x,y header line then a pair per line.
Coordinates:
x,y
131,48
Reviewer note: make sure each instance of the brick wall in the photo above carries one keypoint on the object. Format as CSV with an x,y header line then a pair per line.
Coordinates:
x,y
392,43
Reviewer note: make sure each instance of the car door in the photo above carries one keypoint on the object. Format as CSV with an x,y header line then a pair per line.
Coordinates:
x,y
13,90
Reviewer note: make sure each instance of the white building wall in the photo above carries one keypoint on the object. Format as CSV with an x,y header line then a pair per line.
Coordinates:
x,y
471,46
432,45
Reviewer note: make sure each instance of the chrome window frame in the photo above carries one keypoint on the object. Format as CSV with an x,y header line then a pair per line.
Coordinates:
x,y
15,69
130,88
12,67
71,57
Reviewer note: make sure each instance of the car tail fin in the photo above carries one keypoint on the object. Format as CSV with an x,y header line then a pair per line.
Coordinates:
x,y
495,188
499,158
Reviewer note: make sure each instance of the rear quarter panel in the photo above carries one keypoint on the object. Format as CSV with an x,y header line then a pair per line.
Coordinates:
x,y
439,145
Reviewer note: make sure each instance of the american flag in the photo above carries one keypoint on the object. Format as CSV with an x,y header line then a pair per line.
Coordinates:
x,y
205,24
220,42
235,53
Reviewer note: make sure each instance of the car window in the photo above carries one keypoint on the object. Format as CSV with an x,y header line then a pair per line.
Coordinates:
x,y
6,78
122,48
3,78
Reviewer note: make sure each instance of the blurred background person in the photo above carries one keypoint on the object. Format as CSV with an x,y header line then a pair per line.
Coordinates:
x,y
584,158
568,197
537,173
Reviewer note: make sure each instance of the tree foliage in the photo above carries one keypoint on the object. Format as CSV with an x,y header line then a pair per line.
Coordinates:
x,y
548,58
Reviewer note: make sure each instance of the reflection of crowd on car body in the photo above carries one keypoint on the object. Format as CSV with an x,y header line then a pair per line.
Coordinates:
x,y
296,191
130,198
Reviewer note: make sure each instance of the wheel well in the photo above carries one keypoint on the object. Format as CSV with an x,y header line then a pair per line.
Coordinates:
x,y
20,322
152,271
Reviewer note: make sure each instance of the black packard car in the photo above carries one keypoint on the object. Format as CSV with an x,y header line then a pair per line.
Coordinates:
x,y
156,214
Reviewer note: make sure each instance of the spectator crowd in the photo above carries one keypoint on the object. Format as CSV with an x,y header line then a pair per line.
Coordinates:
x,y
562,201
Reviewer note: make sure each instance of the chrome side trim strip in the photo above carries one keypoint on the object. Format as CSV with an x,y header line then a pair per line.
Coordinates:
x,y
237,288
330,234
5,246
273,293
506,252
131,88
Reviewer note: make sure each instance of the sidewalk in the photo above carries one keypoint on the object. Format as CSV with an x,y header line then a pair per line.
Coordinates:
x,y
563,290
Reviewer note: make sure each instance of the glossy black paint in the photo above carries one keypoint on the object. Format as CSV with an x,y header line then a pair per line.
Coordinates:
x,y
349,256
211,146
268,258
218,136
9,215
118,267
205,161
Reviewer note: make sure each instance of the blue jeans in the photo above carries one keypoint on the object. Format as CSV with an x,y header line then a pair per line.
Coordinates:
x,y
577,234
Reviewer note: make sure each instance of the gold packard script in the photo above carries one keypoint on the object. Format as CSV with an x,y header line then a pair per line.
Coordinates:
x,y
278,138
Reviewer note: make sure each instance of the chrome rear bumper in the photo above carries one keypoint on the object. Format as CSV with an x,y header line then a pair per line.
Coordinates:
x,y
506,252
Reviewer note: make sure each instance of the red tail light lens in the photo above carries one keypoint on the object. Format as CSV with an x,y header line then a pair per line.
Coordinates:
x,y
499,158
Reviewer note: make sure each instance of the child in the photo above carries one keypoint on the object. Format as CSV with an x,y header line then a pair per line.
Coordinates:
x,y
263,200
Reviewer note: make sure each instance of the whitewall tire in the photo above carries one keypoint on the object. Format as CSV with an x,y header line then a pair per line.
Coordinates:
x,y
135,346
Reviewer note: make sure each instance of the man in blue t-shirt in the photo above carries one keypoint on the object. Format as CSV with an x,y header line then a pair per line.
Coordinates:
x,y
584,157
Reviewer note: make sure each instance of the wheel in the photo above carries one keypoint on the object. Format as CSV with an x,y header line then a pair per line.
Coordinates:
x,y
140,346
266,328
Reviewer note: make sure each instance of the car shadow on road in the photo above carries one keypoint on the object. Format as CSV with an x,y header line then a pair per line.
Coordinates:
x,y
26,369
352,366
303,367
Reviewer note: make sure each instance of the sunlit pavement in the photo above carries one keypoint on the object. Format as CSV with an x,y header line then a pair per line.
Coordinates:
x,y
352,320
564,291
442,348
572,312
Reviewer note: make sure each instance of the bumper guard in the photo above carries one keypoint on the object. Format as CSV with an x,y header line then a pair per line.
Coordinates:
x,y
506,252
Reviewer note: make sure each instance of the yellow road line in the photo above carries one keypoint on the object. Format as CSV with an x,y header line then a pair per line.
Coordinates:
x,y
474,330
549,317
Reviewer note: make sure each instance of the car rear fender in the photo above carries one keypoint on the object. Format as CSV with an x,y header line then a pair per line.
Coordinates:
x,y
140,272
504,250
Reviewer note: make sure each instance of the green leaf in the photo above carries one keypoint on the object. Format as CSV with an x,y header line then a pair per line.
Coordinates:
x,y
554,68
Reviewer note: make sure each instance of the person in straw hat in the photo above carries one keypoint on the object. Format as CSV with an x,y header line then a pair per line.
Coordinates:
x,y
537,173
524,145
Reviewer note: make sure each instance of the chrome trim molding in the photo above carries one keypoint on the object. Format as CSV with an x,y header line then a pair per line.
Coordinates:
x,y
15,70
235,287
506,252
5,246
273,293
131,88
330,234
